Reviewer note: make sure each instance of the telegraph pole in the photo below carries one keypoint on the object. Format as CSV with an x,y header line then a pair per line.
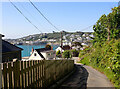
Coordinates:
x,y
61,44
61,39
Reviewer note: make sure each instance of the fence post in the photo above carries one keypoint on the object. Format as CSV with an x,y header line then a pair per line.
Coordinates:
x,y
45,80
16,67
50,72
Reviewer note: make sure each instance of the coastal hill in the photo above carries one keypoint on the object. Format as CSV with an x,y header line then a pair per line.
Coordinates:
x,y
54,37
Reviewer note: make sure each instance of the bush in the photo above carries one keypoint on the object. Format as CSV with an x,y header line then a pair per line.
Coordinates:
x,y
66,54
58,53
75,53
106,58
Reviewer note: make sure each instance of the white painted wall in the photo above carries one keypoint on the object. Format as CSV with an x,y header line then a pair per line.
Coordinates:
x,y
33,57
59,48
49,55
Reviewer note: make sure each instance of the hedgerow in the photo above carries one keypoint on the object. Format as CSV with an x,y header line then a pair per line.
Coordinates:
x,y
106,58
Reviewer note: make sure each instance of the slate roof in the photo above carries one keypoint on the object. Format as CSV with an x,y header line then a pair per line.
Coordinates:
x,y
66,47
41,55
42,50
7,47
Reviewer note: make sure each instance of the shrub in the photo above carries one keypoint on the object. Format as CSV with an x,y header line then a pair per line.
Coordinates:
x,y
58,53
66,54
75,53
106,58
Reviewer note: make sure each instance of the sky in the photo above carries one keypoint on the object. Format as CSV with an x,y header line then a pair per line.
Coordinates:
x,y
67,16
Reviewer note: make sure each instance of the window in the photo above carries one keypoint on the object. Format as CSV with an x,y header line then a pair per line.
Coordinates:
x,y
35,54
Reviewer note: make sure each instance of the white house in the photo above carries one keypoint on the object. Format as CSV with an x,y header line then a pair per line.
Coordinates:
x,y
67,43
42,54
59,48
88,38
91,35
62,49
84,44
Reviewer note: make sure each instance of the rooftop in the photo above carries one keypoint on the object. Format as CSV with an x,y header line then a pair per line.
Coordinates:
x,y
7,47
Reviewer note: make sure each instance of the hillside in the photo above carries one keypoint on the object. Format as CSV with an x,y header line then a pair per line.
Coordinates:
x,y
52,37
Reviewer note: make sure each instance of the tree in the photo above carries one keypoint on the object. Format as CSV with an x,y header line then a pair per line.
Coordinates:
x,y
100,29
108,26
66,54
48,46
58,53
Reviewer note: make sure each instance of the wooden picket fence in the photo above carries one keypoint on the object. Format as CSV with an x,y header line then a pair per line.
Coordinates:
x,y
34,73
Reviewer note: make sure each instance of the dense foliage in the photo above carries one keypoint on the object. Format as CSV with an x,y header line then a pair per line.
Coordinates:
x,y
66,54
106,58
74,53
108,26
58,53
104,55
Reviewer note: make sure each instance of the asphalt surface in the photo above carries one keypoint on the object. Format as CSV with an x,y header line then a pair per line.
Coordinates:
x,y
86,77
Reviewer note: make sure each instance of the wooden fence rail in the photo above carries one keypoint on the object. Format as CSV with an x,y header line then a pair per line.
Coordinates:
x,y
34,73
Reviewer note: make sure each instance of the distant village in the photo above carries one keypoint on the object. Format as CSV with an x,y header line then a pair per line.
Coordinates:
x,y
10,52
44,38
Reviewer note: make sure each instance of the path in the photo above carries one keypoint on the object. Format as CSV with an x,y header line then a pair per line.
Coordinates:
x,y
86,76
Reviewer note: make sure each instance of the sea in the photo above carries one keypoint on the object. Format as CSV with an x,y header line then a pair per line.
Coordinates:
x,y
28,48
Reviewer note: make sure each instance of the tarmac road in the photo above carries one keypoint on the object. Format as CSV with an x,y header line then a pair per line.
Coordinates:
x,y
86,77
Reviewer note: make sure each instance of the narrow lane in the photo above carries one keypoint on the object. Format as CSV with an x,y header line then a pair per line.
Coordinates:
x,y
86,77
96,78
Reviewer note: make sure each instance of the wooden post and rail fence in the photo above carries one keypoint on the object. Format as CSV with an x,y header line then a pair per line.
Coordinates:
x,y
34,73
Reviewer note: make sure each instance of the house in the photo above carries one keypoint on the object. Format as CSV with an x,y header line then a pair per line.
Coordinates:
x,y
1,59
62,49
91,35
59,49
76,45
1,47
10,52
84,44
67,43
42,54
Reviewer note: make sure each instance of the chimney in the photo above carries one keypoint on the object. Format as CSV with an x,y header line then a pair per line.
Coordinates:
x,y
51,48
32,49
